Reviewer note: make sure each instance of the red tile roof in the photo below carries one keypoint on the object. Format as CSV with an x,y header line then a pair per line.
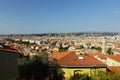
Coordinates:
x,y
100,55
103,56
59,55
115,57
10,50
114,68
71,60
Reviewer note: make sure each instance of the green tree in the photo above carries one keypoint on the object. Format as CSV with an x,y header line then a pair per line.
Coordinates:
x,y
109,51
39,68
56,72
99,49
36,67
62,49
80,77
102,75
82,47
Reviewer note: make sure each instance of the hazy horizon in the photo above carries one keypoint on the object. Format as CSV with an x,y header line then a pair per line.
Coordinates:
x,y
59,16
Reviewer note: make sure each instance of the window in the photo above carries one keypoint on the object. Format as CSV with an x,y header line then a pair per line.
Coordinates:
x,y
78,72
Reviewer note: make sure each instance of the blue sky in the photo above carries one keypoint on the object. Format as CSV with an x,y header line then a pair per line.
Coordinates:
x,y
46,16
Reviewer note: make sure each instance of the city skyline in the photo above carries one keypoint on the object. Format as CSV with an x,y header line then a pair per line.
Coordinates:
x,y
53,16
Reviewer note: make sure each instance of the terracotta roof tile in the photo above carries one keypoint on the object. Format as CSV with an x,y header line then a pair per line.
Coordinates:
x,y
10,50
59,55
115,57
102,56
72,59
114,68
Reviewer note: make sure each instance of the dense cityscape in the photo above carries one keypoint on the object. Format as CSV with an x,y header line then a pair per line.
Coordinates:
x,y
71,53
59,39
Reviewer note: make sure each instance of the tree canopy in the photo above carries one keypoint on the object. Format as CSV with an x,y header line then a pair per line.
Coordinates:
x,y
38,68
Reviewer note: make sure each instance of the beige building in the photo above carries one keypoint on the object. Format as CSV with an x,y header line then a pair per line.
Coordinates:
x,y
113,60
73,63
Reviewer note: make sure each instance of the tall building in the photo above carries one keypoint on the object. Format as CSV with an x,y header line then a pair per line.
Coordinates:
x,y
104,45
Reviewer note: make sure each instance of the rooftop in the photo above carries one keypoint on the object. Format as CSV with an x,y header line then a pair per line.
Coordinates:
x,y
72,60
115,57
114,68
9,50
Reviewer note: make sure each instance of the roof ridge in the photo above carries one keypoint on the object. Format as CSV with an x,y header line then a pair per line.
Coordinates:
x,y
11,50
66,55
